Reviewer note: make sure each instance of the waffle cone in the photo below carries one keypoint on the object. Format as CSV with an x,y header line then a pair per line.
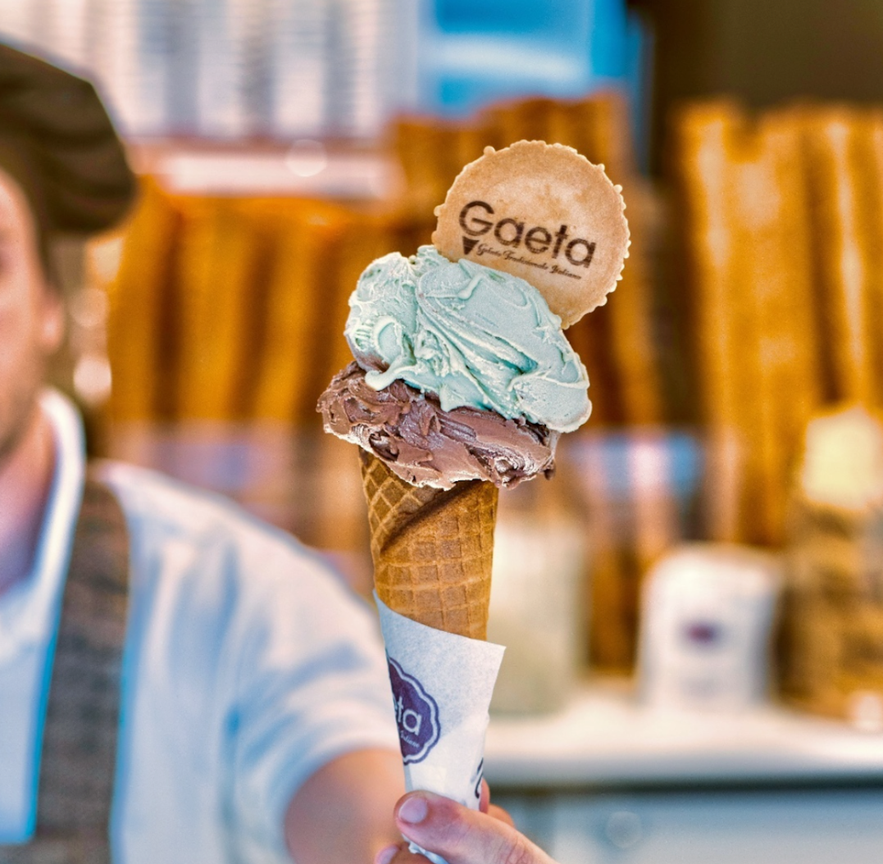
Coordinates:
x,y
432,548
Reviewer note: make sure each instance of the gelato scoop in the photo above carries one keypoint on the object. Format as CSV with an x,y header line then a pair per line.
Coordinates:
x,y
425,445
474,336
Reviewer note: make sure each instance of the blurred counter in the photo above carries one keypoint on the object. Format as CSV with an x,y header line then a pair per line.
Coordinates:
x,y
606,780
605,738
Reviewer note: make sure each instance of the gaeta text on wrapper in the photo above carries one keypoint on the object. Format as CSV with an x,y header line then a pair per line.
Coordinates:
x,y
416,715
536,241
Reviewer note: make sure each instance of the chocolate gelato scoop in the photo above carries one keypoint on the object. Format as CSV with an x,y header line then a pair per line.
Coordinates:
x,y
427,446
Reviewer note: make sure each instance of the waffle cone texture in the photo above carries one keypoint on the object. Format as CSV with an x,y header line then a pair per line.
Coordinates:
x,y
432,548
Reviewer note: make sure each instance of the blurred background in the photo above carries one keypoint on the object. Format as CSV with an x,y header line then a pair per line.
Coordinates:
x,y
694,605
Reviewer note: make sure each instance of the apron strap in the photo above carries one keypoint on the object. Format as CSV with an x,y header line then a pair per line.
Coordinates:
x,y
80,735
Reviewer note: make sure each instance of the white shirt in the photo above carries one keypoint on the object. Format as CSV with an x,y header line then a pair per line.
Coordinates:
x,y
247,666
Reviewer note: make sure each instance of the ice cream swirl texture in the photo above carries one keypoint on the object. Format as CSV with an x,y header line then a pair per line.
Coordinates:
x,y
474,336
428,446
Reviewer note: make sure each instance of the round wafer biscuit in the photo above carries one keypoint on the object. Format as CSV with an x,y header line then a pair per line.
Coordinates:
x,y
541,212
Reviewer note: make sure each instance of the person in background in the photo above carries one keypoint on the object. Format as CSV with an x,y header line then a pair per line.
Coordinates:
x,y
178,682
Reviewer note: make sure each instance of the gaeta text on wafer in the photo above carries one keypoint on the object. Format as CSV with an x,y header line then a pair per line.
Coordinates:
x,y
510,232
541,212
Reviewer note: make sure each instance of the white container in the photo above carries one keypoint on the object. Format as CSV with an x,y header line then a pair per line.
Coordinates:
x,y
706,618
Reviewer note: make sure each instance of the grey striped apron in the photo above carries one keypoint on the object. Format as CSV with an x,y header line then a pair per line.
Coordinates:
x,y
80,732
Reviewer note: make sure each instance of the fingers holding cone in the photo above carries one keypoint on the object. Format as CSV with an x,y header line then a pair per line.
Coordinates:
x,y
459,835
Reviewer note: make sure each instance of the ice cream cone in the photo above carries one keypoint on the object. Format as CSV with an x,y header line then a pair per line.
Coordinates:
x,y
432,548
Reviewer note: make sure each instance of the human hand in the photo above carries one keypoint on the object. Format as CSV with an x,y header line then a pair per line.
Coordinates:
x,y
459,835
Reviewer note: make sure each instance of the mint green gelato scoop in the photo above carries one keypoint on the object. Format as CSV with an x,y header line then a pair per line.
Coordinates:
x,y
472,335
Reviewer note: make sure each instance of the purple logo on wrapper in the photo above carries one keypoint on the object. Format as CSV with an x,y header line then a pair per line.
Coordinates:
x,y
416,715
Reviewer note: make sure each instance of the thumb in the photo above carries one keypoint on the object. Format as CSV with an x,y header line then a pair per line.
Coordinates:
x,y
463,836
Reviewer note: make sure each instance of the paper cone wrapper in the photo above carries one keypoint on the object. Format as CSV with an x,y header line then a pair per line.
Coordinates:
x,y
442,685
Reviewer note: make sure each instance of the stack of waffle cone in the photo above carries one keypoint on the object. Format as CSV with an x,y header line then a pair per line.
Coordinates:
x,y
432,548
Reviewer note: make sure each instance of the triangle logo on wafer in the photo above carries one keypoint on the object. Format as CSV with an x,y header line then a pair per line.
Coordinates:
x,y
544,213
469,243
